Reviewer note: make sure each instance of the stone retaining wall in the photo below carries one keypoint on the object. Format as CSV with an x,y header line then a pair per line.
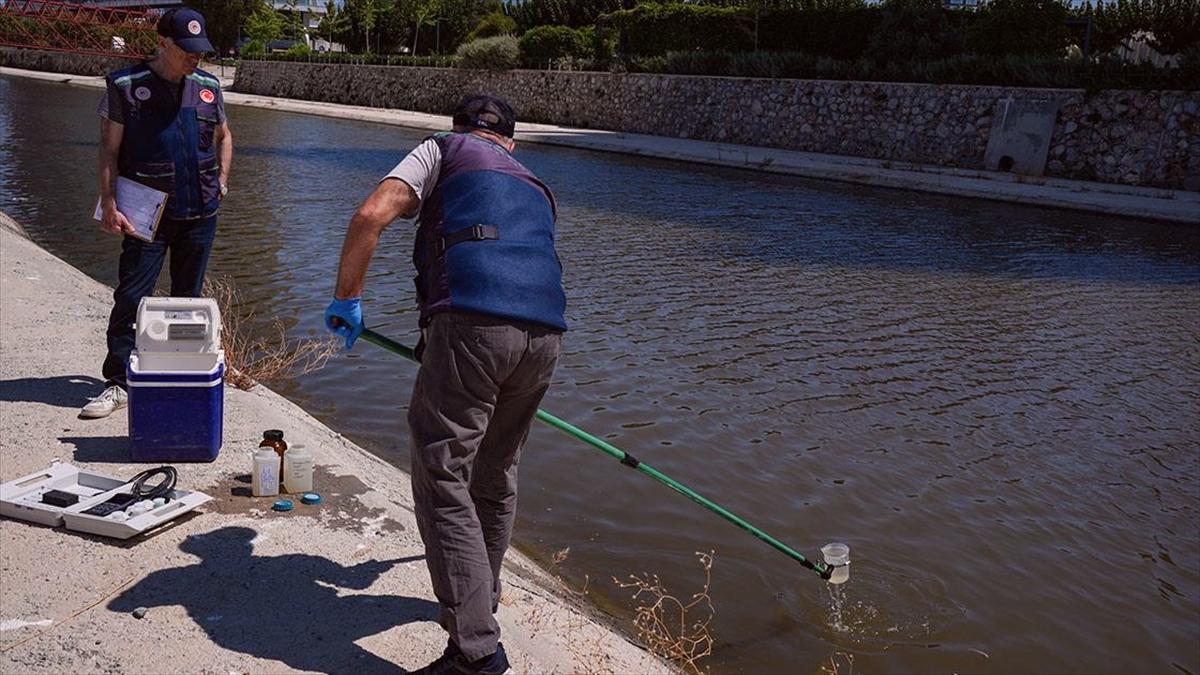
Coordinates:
x,y
61,62
1149,138
1132,137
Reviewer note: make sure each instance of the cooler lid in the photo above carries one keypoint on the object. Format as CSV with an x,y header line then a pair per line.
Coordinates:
x,y
181,325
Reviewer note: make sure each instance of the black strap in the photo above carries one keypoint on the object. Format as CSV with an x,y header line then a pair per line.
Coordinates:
x,y
472,233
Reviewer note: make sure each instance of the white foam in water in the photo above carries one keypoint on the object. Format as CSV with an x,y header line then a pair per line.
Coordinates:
x,y
836,621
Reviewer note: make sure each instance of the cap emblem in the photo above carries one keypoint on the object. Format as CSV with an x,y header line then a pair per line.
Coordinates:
x,y
194,27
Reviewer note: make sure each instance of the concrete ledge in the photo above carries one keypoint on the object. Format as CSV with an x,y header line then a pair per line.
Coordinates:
x,y
1105,198
236,587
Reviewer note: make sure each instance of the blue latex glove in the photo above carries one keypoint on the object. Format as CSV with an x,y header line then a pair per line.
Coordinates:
x,y
344,318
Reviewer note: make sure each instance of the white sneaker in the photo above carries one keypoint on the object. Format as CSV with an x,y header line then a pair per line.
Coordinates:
x,y
111,399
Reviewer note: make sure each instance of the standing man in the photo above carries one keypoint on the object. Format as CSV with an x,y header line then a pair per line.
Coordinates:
x,y
489,287
163,125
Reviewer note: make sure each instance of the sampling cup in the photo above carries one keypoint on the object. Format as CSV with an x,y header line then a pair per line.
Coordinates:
x,y
837,555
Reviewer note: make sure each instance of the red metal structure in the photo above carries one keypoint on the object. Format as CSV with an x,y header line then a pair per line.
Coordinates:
x,y
77,28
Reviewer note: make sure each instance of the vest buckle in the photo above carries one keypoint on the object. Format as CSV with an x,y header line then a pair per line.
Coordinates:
x,y
477,232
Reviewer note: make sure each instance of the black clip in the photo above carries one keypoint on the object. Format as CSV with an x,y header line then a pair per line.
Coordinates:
x,y
477,232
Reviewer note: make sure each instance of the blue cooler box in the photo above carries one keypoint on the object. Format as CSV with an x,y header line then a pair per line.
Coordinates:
x,y
175,416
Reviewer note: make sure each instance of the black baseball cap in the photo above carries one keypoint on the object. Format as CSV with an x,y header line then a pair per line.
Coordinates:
x,y
185,27
490,113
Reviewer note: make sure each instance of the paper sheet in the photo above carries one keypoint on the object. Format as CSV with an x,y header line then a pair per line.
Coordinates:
x,y
142,205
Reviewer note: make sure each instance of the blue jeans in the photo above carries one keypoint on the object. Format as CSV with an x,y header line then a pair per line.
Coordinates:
x,y
189,243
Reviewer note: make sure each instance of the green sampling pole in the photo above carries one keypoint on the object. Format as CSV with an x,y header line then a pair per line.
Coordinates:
x,y
822,570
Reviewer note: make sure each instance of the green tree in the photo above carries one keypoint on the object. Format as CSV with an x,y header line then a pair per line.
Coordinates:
x,y
1003,27
547,43
223,19
335,25
491,25
294,30
1175,25
419,14
1112,23
264,24
573,13
916,30
363,14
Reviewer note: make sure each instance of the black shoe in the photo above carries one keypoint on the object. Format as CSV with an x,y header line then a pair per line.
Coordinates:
x,y
452,662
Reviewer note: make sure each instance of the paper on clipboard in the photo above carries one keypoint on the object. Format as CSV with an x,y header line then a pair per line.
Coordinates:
x,y
142,206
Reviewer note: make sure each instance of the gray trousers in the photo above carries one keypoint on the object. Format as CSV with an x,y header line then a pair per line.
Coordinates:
x,y
478,388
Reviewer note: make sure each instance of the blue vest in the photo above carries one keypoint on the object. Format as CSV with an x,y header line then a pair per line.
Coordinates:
x,y
168,143
485,243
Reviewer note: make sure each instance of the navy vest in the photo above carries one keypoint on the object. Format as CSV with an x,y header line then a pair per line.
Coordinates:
x,y
168,143
485,243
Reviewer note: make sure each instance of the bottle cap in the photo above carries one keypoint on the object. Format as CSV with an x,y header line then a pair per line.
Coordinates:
x,y
282,505
310,498
273,435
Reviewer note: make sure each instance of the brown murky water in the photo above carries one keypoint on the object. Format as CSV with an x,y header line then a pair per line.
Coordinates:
x,y
995,406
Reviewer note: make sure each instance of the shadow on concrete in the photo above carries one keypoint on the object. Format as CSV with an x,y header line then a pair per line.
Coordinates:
x,y
65,391
99,448
285,608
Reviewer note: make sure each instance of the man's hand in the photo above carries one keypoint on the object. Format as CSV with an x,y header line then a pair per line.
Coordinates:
x,y
344,318
115,222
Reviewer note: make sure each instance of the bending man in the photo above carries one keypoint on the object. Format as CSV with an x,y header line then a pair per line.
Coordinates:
x,y
489,287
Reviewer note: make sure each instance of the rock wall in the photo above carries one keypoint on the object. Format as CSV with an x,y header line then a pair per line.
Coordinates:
x,y
60,62
1147,138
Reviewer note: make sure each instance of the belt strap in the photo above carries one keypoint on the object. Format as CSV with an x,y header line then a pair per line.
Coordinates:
x,y
472,233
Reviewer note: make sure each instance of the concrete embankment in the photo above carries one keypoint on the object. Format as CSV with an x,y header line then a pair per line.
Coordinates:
x,y
1106,198
235,587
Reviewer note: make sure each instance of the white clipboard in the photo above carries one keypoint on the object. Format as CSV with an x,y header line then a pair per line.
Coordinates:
x,y
143,206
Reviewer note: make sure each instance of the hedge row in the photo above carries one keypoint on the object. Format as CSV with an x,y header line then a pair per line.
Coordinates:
x,y
1016,71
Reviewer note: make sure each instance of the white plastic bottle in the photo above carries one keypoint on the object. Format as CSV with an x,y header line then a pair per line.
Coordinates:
x,y
264,479
298,469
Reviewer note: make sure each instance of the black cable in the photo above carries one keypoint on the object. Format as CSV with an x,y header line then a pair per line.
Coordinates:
x,y
163,489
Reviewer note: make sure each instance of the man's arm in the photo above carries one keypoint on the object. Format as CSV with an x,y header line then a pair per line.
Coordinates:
x,y
224,151
111,220
391,199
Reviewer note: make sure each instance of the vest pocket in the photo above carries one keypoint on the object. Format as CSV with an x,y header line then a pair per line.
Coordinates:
x,y
210,180
206,128
158,175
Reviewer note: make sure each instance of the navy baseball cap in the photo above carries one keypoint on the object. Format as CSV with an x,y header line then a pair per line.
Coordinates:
x,y
185,27
490,113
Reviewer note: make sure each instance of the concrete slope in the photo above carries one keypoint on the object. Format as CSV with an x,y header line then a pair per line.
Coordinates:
x,y
236,587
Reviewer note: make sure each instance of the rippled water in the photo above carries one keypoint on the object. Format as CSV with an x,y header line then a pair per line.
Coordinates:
x,y
995,406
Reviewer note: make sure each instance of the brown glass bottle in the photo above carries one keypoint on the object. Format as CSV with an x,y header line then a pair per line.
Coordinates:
x,y
273,438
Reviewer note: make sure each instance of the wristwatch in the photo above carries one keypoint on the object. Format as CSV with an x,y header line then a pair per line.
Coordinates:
x,y
224,189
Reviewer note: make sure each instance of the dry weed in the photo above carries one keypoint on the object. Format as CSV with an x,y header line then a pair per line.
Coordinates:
x,y
269,355
832,668
669,627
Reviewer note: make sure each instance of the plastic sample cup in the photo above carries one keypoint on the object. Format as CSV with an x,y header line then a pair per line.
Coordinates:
x,y
837,555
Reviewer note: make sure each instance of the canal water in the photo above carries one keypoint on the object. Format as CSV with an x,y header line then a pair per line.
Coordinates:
x,y
995,406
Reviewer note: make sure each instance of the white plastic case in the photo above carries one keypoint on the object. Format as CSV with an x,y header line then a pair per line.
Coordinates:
x,y
21,499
